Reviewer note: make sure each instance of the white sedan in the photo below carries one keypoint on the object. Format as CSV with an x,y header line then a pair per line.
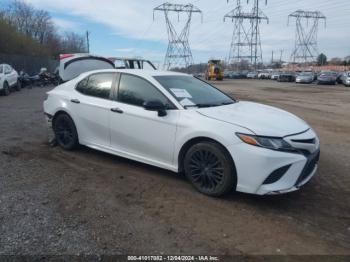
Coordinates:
x,y
180,123
8,79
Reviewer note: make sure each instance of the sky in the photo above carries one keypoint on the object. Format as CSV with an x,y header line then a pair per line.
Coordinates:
x,y
127,28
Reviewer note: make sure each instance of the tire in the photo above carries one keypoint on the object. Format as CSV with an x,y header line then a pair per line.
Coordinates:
x,y
65,132
6,89
18,86
210,169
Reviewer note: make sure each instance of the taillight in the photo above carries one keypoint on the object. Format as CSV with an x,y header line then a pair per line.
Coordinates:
x,y
64,56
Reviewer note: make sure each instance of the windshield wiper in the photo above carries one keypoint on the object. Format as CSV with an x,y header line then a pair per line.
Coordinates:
x,y
227,103
202,105
209,105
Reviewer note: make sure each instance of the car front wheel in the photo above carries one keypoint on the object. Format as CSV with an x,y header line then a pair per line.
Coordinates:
x,y
18,86
210,169
5,89
65,132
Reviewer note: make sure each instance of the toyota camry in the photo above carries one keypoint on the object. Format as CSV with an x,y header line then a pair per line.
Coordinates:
x,y
180,123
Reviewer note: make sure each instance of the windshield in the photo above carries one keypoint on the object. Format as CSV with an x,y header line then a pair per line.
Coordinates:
x,y
192,92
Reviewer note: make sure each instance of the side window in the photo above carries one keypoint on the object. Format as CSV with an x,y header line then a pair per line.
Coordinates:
x,y
8,69
1,69
135,91
98,85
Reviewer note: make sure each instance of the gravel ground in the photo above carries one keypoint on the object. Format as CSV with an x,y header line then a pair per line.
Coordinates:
x,y
87,202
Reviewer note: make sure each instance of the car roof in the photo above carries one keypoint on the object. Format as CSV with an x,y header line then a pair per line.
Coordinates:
x,y
138,72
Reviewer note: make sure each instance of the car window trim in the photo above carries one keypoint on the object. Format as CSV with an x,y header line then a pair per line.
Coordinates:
x,y
154,86
114,96
99,73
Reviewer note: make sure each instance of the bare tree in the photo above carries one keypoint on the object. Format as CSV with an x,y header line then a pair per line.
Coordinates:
x,y
38,25
73,42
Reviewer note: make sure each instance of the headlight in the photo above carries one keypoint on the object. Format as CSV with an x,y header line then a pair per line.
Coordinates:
x,y
266,142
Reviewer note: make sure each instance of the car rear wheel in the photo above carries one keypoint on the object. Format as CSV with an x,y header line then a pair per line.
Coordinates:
x,y
6,89
18,86
210,169
65,132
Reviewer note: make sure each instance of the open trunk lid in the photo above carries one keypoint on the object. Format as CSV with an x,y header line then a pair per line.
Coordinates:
x,y
72,65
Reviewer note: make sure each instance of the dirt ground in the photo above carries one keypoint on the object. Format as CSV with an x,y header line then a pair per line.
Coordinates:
x,y
87,202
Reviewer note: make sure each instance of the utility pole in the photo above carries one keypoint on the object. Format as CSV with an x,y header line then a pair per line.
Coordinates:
x,y
88,41
178,53
272,57
306,49
281,54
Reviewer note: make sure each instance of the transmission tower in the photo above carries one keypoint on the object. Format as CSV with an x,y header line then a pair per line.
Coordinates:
x,y
305,49
256,41
179,52
240,49
246,43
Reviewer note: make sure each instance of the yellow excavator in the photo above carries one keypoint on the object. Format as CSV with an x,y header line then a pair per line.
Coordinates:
x,y
215,70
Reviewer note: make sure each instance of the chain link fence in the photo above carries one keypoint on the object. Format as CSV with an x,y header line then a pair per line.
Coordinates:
x,y
29,64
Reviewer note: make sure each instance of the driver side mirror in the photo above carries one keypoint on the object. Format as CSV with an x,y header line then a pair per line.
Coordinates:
x,y
156,105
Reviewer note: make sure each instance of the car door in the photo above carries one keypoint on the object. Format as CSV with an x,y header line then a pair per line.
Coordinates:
x,y
91,104
137,132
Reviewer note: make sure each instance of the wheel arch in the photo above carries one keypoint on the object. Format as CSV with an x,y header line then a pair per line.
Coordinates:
x,y
61,112
186,146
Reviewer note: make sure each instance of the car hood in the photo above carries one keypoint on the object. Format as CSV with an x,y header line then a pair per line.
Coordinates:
x,y
261,119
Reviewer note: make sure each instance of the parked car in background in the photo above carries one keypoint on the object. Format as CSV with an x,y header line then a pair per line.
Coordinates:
x,y
346,78
275,75
8,79
305,77
327,77
178,122
236,75
252,75
132,63
286,77
227,74
264,75
339,77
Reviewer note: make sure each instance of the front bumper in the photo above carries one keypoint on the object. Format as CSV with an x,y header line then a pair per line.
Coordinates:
x,y
255,165
50,133
326,81
304,81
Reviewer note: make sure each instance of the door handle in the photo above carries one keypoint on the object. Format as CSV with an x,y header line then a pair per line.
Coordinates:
x,y
117,110
76,101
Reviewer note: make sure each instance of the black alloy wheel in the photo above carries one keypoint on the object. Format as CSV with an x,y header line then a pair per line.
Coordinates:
x,y
209,169
65,132
6,89
18,86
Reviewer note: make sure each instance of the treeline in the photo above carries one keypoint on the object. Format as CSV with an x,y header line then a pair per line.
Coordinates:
x,y
26,30
323,60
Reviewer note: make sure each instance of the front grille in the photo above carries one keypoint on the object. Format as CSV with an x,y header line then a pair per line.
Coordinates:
x,y
309,167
